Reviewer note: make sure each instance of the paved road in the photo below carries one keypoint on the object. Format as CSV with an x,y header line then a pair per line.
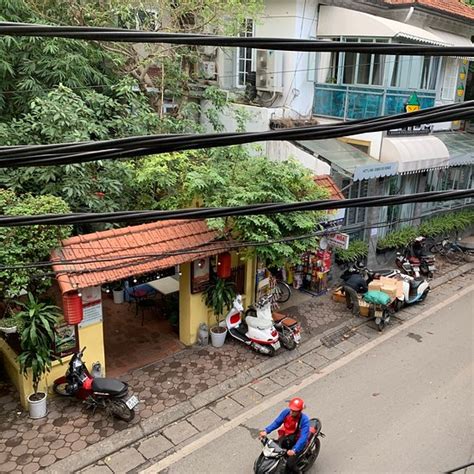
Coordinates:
x,y
406,405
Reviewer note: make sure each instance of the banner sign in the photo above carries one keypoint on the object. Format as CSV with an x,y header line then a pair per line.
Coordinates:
x,y
339,240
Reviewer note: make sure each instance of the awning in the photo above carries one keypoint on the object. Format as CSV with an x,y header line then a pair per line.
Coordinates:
x,y
336,21
460,146
414,154
112,255
347,159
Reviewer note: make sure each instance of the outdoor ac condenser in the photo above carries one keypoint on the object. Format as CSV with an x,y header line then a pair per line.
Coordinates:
x,y
269,68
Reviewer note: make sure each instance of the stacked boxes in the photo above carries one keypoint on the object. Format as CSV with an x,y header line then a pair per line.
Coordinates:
x,y
391,286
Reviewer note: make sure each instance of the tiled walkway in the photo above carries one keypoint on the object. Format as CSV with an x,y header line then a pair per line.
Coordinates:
x,y
28,446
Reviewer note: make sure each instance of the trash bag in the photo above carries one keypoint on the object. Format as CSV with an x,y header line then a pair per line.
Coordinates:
x,y
376,297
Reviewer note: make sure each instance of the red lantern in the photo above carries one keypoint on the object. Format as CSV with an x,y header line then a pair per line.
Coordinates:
x,y
224,265
72,307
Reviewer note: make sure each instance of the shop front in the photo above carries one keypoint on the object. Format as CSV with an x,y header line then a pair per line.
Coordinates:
x,y
140,289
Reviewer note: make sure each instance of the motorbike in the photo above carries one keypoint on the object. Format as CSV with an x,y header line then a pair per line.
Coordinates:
x,y
417,254
96,392
260,334
410,266
289,330
273,458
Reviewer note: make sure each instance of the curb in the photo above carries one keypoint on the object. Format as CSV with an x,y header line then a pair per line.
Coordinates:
x,y
155,423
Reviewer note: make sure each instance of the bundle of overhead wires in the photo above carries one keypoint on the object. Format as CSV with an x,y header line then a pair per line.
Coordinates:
x,y
81,152
282,44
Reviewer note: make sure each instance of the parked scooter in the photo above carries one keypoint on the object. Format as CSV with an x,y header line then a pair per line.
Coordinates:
x,y
289,330
110,394
258,333
273,458
410,267
417,253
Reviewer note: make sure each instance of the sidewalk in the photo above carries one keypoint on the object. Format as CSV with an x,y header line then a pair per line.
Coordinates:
x,y
70,437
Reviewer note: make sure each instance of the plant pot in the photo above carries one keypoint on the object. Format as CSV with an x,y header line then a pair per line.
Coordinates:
x,y
118,296
37,405
218,334
10,330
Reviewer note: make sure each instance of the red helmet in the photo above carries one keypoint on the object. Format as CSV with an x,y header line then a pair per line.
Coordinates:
x,y
296,404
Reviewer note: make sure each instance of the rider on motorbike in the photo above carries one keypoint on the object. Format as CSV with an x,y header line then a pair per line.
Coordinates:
x,y
294,431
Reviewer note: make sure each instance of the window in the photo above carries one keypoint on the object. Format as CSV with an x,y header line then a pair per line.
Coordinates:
x,y
356,215
450,79
245,55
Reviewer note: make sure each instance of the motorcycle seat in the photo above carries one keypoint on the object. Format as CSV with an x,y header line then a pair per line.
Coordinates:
x,y
258,323
111,386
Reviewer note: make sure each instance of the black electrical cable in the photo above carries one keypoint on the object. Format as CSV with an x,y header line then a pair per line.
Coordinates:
x,y
283,44
142,146
206,213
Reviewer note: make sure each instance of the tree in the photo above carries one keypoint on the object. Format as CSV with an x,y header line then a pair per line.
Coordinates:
x,y
22,245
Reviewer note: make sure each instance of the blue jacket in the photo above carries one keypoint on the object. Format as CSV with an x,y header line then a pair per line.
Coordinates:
x,y
303,427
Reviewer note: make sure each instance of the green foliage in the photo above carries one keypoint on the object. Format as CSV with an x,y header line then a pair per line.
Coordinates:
x,y
218,296
447,224
398,238
27,244
436,226
9,322
39,320
357,250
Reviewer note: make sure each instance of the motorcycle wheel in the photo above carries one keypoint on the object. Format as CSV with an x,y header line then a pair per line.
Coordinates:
x,y
286,339
120,410
312,455
61,389
268,350
398,305
454,256
424,295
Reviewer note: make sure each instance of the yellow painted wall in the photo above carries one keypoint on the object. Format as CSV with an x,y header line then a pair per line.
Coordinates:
x,y
91,336
193,311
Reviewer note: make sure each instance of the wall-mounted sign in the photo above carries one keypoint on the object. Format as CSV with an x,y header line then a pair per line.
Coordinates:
x,y
339,240
200,273
92,306
413,103
375,171
66,340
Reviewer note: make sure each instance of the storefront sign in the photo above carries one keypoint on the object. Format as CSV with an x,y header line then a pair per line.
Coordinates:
x,y
92,306
339,240
375,171
200,273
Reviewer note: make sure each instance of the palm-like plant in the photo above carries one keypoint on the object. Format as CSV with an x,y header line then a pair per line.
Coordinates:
x,y
219,295
36,339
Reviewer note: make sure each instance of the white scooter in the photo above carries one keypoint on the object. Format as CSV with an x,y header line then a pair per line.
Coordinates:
x,y
258,333
414,289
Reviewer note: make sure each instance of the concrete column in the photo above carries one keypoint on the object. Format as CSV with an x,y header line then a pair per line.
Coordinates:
x,y
418,206
375,188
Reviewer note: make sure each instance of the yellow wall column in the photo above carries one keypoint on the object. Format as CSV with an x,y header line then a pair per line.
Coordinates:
x,y
192,310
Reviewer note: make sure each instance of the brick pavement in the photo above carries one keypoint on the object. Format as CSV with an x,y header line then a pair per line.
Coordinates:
x,y
173,437
32,445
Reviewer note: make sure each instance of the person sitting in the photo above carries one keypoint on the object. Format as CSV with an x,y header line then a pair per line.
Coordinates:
x,y
293,432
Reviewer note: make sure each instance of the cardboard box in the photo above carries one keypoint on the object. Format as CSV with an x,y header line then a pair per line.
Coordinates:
x,y
375,285
390,290
363,308
338,296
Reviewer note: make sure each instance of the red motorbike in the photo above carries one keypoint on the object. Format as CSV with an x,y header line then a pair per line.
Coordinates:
x,y
96,392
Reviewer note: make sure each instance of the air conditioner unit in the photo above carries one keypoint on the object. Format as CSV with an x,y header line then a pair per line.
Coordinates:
x,y
269,68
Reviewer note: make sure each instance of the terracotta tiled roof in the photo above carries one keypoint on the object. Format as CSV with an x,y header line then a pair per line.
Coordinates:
x,y
141,249
449,7
326,182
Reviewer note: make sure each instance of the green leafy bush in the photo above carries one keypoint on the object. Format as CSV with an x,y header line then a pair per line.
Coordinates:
x,y
218,296
357,250
436,226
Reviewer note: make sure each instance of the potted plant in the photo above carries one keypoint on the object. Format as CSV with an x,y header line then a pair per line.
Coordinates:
x,y
9,325
217,296
36,340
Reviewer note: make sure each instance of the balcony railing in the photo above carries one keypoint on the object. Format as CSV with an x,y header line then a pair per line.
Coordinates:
x,y
359,102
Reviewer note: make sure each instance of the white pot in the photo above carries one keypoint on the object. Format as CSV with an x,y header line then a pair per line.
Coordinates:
x,y
218,338
8,330
38,408
118,296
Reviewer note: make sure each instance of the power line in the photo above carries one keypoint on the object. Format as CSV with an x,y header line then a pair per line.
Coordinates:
x,y
207,213
283,44
81,152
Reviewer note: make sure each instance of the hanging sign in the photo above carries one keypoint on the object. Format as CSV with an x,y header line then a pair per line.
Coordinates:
x,y
92,306
339,240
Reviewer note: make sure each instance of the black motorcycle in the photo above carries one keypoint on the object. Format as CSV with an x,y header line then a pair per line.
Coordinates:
x,y
273,458
109,394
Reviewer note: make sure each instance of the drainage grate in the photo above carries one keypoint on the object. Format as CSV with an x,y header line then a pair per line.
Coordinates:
x,y
338,336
